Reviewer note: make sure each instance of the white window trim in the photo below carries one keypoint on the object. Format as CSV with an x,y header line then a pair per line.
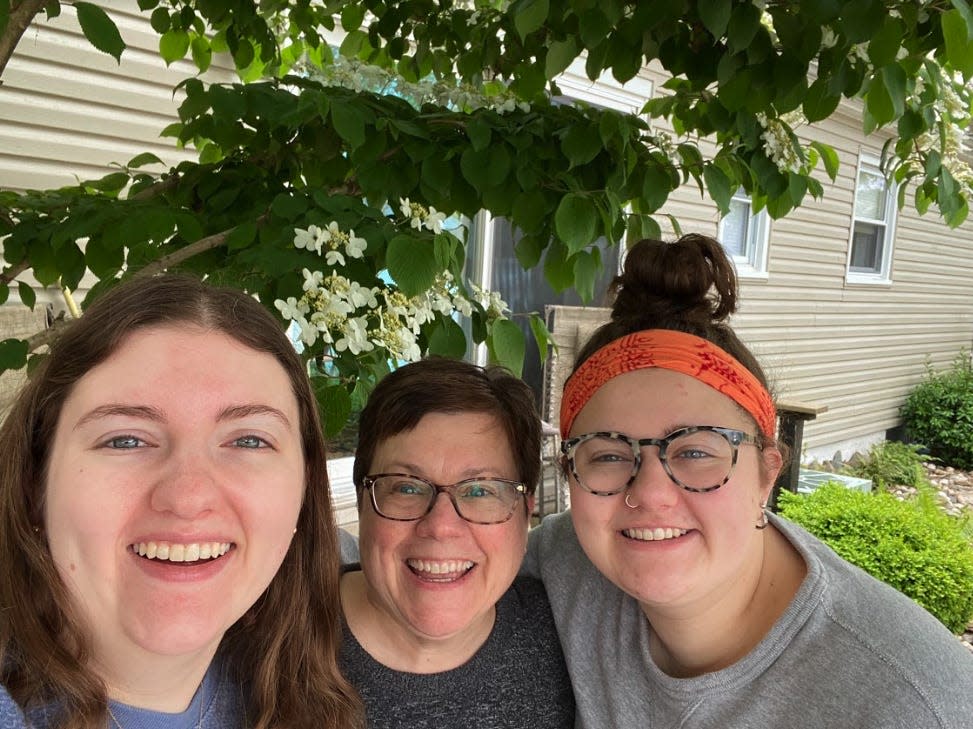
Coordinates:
x,y
754,265
605,92
870,163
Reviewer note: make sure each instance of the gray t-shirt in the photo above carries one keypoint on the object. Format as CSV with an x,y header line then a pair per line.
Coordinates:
x,y
516,679
849,652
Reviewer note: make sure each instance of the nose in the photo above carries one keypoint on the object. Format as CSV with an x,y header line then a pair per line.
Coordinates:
x,y
442,521
188,488
652,485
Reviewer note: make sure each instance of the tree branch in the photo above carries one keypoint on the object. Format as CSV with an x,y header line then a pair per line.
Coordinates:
x,y
193,249
20,16
14,271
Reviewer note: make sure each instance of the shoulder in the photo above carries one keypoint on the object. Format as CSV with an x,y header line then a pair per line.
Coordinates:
x,y
11,715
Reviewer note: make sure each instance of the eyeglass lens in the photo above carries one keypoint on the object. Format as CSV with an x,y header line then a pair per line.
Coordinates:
x,y
482,501
702,459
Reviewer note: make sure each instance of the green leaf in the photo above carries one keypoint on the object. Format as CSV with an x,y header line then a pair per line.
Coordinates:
x,y
830,158
349,123
241,236
959,42
334,404
656,185
27,295
576,221
529,16
352,16
202,53
411,264
542,336
13,354
173,45
146,158
886,95
715,15
507,344
160,20
447,339
860,19
289,207
353,43
587,267
4,15
719,187
963,7
100,30
559,56
820,101
110,183
4,288
885,44
743,26
581,144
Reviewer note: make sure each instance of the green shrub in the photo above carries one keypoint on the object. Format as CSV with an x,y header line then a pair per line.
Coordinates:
x,y
911,545
939,414
892,464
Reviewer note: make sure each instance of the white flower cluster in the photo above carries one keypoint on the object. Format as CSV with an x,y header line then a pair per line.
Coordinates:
x,y
420,217
330,241
778,144
949,136
347,316
350,317
359,76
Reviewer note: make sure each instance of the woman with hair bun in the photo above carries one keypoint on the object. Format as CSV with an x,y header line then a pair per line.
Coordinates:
x,y
679,600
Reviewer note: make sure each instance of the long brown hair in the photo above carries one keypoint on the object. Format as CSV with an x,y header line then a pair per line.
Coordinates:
x,y
283,650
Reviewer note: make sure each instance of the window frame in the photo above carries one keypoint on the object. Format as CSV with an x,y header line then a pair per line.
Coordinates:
x,y
754,263
870,164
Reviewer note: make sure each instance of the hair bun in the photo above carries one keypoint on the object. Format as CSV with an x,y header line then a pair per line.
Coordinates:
x,y
690,279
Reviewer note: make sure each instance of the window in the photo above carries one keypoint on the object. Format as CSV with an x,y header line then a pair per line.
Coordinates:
x,y
873,228
744,236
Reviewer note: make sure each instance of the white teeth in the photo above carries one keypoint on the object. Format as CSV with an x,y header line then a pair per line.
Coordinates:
x,y
192,552
450,567
654,535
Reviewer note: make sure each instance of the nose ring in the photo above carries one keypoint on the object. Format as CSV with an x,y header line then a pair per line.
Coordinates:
x,y
628,503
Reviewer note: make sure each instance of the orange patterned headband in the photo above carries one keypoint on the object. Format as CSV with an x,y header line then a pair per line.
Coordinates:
x,y
670,350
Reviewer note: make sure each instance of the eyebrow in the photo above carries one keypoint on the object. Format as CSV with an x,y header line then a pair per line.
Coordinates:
x,y
235,412
144,412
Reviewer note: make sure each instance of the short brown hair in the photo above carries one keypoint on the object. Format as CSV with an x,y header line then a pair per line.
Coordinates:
x,y
441,385
284,649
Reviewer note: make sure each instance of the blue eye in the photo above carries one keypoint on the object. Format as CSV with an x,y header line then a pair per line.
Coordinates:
x,y
250,441
123,442
409,488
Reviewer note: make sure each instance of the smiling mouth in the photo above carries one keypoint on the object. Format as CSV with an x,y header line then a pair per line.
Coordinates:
x,y
447,571
654,535
175,552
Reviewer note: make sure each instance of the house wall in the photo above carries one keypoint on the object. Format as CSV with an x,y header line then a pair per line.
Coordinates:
x,y
858,349
68,112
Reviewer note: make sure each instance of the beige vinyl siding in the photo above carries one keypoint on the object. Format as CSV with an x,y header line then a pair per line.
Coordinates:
x,y
68,111
859,349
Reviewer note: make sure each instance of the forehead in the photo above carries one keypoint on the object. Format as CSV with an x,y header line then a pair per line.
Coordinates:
x,y
184,366
653,399
443,437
